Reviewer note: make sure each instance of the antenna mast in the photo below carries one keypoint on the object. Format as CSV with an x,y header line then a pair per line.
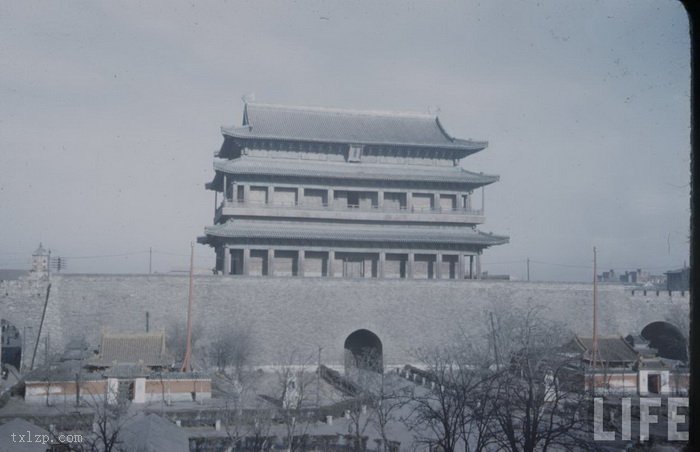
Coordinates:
x,y
188,350
596,353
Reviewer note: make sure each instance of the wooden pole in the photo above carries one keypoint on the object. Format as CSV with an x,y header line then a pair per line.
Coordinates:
x,y
188,350
495,342
41,325
595,318
528,269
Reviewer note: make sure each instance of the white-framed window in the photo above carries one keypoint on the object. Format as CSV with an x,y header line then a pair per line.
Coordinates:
x,y
354,153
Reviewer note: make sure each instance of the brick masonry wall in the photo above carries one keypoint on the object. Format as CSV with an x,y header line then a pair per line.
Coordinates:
x,y
301,314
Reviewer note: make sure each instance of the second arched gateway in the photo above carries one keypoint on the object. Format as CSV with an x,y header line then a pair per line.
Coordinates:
x,y
363,350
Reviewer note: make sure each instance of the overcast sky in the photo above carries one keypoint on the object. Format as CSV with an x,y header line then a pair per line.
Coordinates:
x,y
110,115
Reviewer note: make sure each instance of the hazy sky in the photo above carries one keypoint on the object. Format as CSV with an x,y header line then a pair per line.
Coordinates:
x,y
110,115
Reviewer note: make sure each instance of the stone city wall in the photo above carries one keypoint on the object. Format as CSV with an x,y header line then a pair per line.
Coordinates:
x,y
302,314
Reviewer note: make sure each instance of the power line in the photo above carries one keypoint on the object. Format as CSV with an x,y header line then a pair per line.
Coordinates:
x,y
561,265
101,256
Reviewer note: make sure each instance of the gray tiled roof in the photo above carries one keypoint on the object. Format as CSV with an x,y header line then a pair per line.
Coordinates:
x,y
152,433
261,229
132,348
344,170
330,125
611,349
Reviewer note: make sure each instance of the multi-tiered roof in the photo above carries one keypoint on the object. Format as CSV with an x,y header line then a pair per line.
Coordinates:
x,y
397,177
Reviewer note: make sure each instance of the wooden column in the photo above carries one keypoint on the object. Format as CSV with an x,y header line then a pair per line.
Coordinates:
x,y
270,262
271,194
246,261
436,201
227,260
331,261
438,266
246,192
225,190
331,194
300,263
409,201
409,265
461,267
477,259
471,267
380,264
380,199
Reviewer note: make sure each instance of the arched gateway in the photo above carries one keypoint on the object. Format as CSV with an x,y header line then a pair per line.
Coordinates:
x,y
667,339
363,350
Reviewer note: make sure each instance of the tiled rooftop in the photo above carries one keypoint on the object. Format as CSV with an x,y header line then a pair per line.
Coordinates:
x,y
314,124
358,171
352,232
144,348
611,349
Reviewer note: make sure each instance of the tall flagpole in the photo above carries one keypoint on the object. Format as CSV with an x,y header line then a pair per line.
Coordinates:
x,y
188,350
596,353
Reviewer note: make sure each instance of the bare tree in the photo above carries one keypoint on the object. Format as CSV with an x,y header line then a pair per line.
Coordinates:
x,y
176,340
294,384
110,414
376,401
231,347
535,406
448,408
388,397
511,388
246,421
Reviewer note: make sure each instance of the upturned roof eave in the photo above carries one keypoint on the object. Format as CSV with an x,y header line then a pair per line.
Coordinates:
x,y
230,231
470,148
463,176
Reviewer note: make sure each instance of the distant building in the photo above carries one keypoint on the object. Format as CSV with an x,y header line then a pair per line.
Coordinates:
x,y
40,261
342,193
637,276
678,280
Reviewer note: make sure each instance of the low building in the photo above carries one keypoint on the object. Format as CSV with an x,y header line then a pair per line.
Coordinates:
x,y
627,366
145,350
134,367
152,433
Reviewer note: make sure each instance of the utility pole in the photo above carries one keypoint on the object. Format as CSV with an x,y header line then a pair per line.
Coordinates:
x,y
41,325
595,318
495,345
528,269
188,350
318,379
150,260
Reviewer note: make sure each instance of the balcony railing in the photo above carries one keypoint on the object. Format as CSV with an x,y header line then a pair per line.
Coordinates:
x,y
339,206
